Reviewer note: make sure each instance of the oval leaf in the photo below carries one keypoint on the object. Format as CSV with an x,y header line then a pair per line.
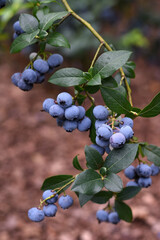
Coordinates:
x,y
56,181
113,182
124,211
57,40
28,23
76,164
102,197
93,158
127,193
153,154
50,18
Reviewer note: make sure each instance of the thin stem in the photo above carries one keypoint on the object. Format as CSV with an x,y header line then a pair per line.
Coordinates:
x,y
95,56
62,20
90,98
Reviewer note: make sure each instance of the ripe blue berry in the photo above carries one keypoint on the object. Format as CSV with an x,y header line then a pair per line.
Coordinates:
x,y
130,172
15,35
102,215
40,77
2,3
60,122
117,140
107,149
98,148
15,78
84,124
102,143
82,112
143,170
17,28
126,121
55,60
100,112
155,170
69,126
113,217
50,210
48,102
24,86
64,99
132,184
41,66
127,132
104,132
29,76
72,113
98,123
144,182
49,193
56,111
65,201
35,214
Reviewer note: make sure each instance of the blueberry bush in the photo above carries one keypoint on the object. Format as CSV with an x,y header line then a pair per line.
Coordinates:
x,y
110,125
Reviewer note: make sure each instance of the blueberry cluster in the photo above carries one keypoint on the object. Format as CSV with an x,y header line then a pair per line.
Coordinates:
x,y
29,77
106,137
50,209
104,216
68,115
141,175
17,30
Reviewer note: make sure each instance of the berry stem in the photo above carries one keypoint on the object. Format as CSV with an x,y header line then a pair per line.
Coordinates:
x,y
95,56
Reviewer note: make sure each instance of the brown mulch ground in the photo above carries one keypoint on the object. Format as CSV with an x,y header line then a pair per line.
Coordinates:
x,y
33,148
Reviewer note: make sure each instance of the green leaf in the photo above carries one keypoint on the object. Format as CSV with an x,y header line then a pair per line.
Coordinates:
x,y
83,199
124,211
102,197
109,82
57,40
56,181
50,18
76,164
128,69
153,154
28,23
67,77
80,99
113,182
43,34
23,41
92,89
93,158
127,193
109,62
96,80
152,109
119,159
89,113
115,100
88,182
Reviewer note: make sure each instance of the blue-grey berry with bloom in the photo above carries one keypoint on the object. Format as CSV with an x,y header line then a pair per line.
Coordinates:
x,y
143,170
98,148
41,66
104,132
36,214
29,76
107,149
84,124
69,126
40,77
117,140
48,102
15,78
17,28
65,201
102,143
82,112
56,111
64,100
126,121
50,210
155,170
113,217
55,60
24,86
49,193
130,172
102,216
98,123
127,132
72,113
100,112
60,122
132,184
144,182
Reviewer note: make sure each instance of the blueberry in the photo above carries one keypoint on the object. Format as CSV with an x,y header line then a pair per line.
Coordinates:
x,y
117,140
41,66
50,210
155,170
35,214
60,122
72,113
29,76
144,182
107,149
56,111
33,55
55,60
130,172
113,218
24,86
84,124
48,102
17,28
127,132
102,215
64,99
15,78
132,184
15,35
40,77
143,170
98,123
126,121
69,126
98,148
102,143
82,112
65,201
100,112
49,193
104,132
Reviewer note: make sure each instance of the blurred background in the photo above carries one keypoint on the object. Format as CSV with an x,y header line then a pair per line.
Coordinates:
x,y
33,147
